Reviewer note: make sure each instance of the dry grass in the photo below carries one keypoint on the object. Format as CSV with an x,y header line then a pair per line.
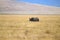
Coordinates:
x,y
18,27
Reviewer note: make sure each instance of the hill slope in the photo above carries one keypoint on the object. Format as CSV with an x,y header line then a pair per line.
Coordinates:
x,y
26,8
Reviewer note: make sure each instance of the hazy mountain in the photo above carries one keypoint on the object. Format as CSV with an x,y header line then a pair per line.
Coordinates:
x,y
10,6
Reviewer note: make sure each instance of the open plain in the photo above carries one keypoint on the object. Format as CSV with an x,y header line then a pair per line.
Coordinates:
x,y
18,27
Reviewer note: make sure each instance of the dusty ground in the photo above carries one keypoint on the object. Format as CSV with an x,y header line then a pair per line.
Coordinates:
x,y
18,27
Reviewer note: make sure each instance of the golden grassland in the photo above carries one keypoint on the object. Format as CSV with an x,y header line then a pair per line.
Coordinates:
x,y
18,27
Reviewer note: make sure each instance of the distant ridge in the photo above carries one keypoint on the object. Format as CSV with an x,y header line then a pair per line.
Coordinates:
x,y
10,7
